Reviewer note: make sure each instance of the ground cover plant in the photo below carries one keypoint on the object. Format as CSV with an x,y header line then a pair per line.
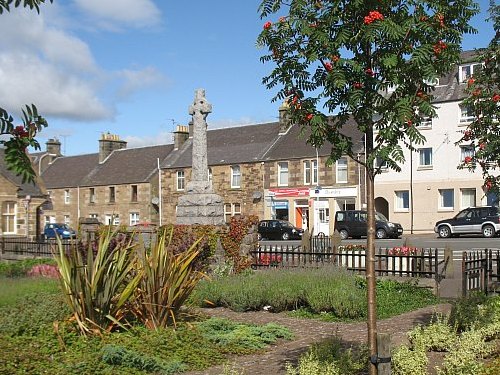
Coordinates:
x,y
330,292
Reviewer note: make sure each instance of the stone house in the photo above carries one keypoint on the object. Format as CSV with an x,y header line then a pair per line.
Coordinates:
x,y
21,204
116,185
430,187
267,170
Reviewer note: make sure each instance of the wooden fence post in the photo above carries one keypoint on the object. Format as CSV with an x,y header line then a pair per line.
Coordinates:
x,y
383,358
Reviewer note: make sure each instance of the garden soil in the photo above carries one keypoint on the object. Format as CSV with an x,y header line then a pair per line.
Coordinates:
x,y
308,331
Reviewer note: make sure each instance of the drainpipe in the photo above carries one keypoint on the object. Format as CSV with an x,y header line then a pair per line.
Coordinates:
x,y
160,203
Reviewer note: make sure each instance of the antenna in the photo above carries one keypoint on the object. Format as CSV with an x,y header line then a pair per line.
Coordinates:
x,y
64,136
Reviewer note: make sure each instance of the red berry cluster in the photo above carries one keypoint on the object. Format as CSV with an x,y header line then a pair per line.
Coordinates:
x,y
373,16
358,85
309,116
328,66
439,47
267,25
470,81
369,72
467,160
496,97
20,132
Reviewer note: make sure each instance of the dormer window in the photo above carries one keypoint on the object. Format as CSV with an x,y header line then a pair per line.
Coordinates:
x,y
431,81
467,71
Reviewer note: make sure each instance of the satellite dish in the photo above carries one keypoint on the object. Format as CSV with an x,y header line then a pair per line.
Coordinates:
x,y
155,200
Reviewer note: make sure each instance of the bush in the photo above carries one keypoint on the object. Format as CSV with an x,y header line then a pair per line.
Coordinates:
x,y
20,268
310,365
465,312
406,361
437,336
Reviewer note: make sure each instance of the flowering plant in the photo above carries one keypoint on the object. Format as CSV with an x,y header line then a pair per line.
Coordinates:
x,y
402,251
44,270
351,247
270,259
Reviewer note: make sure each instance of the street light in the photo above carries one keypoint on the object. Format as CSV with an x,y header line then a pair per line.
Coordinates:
x,y
40,162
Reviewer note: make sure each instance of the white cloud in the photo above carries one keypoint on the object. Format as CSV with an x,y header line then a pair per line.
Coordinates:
x,y
26,79
158,139
136,13
134,80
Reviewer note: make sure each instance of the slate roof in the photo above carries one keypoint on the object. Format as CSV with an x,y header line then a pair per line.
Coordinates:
x,y
292,144
449,88
24,188
241,144
69,171
126,166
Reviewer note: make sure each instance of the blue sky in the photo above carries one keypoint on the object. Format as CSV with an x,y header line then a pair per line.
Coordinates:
x,y
131,67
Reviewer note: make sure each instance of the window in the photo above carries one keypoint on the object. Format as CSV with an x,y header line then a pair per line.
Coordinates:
x,y
67,220
324,215
425,122
134,218
91,195
466,71
466,151
230,210
50,219
94,216
380,163
180,180
342,170
49,193
402,200
235,176
432,81
492,199
446,199
466,114
107,219
310,172
133,193
468,198
9,217
425,157
66,197
111,194
283,173
210,174
116,220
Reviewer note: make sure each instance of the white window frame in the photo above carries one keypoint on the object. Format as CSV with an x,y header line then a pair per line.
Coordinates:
x,y
92,195
283,173
67,197
94,216
402,203
116,219
310,172
134,218
441,205
469,202
180,180
9,213
467,70
466,115
67,220
466,150
425,158
108,219
230,210
235,176
425,122
342,170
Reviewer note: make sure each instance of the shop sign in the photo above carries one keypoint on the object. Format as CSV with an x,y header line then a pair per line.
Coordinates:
x,y
280,204
289,192
334,192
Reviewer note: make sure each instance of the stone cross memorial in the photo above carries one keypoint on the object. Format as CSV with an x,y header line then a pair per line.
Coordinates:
x,y
200,205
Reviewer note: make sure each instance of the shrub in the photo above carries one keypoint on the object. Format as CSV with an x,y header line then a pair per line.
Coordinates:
x,y
465,312
406,361
44,270
437,336
310,365
20,268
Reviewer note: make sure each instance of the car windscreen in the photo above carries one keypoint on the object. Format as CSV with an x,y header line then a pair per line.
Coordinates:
x,y
286,224
380,217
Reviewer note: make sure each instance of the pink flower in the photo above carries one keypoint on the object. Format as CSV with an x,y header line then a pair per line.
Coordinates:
x,y
267,25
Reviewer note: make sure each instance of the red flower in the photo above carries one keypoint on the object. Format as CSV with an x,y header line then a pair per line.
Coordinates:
x,y
369,72
373,16
328,66
309,116
467,159
496,97
267,25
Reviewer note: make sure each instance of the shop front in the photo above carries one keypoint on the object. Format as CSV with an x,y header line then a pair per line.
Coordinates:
x,y
289,204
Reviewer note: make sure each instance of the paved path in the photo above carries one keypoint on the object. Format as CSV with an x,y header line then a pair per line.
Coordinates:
x,y
308,331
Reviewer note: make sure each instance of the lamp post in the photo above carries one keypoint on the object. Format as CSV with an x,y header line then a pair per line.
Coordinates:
x,y
40,162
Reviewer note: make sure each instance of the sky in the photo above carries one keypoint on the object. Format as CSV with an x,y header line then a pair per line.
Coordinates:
x,y
131,67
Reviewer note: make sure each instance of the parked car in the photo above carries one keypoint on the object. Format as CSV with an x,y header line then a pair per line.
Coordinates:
x,y
353,223
473,220
278,230
62,230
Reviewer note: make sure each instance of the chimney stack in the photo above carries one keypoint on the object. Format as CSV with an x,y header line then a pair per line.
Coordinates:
x,y
109,143
181,135
53,146
284,118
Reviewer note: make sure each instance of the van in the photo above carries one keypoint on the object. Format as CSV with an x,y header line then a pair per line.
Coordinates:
x,y
353,223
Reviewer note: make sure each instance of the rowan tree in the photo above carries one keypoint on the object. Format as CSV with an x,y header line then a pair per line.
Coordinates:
x,y
372,61
20,137
483,90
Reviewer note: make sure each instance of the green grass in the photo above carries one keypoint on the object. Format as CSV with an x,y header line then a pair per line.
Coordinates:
x,y
31,343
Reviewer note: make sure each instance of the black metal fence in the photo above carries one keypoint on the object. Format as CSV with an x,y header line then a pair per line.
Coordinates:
x,y
480,271
20,248
423,263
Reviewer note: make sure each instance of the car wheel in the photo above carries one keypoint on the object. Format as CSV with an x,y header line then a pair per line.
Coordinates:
x,y
444,231
285,236
488,231
381,234
344,234
259,237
